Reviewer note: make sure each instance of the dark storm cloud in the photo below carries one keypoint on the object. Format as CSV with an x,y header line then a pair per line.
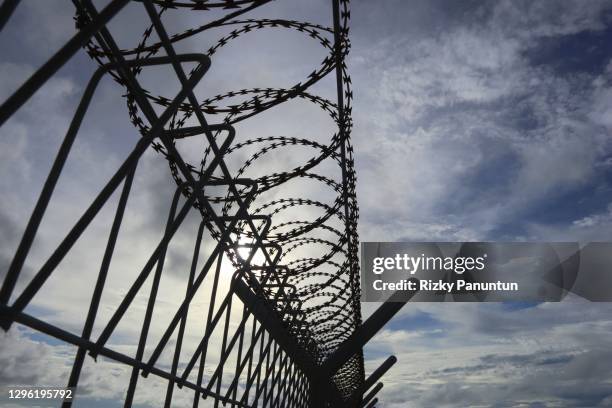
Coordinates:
x,y
488,355
492,321
493,361
500,380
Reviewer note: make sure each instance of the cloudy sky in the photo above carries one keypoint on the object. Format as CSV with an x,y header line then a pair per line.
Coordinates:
x,y
473,120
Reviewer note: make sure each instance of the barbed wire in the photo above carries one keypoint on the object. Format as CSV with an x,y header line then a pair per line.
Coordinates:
x,y
325,279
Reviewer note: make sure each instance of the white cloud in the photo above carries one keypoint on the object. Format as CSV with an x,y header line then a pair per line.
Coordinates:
x,y
460,130
458,135
484,354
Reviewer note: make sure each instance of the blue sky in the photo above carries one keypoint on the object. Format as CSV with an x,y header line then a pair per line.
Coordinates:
x,y
474,120
487,121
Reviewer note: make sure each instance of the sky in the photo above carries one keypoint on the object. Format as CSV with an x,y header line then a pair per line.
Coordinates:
x,y
473,121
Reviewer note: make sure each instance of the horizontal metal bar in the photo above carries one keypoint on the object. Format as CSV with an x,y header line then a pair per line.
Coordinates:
x,y
379,372
268,319
373,403
363,334
46,328
371,394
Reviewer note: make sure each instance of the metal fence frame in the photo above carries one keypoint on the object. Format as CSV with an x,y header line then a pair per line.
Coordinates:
x,y
276,350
